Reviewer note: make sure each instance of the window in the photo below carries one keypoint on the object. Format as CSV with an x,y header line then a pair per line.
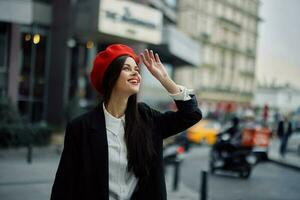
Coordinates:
x,y
4,43
225,35
205,53
222,66
32,80
4,33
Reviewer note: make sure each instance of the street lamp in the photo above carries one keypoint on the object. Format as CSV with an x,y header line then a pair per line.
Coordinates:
x,y
36,38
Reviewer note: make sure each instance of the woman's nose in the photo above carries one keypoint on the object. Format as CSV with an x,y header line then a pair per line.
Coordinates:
x,y
133,73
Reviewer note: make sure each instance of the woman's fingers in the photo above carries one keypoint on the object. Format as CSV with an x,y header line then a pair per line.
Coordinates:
x,y
157,58
152,55
149,58
147,55
153,63
144,59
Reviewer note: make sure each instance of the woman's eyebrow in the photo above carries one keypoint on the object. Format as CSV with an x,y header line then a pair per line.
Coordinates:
x,y
130,65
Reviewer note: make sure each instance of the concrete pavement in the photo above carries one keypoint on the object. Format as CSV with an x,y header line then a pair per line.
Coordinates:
x,y
291,159
20,180
183,192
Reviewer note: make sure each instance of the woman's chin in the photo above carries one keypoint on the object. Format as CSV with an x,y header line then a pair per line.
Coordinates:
x,y
134,90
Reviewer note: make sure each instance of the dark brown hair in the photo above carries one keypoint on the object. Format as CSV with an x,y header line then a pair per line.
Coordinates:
x,y
140,149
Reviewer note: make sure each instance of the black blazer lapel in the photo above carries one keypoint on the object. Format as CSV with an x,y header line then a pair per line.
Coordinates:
x,y
99,149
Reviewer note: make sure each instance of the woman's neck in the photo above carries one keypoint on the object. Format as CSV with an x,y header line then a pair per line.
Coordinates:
x,y
116,105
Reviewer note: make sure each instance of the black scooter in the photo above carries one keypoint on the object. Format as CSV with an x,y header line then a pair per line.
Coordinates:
x,y
227,156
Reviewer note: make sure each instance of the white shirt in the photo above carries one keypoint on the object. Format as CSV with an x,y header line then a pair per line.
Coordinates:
x,y
121,182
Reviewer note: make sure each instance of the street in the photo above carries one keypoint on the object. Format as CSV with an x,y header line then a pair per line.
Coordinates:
x,y
19,180
267,182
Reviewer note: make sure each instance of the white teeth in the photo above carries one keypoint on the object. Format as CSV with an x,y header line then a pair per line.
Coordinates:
x,y
133,81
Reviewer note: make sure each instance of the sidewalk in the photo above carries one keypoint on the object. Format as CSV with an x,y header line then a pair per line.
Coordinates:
x,y
289,160
20,180
183,193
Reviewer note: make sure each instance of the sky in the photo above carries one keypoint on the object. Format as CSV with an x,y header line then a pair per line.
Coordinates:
x,y
278,53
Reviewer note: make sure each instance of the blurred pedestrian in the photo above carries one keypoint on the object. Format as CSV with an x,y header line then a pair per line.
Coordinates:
x,y
115,150
284,131
249,119
234,126
233,131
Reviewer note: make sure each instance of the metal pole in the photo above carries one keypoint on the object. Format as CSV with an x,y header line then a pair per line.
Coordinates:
x,y
32,74
31,94
176,175
203,187
29,153
30,142
46,74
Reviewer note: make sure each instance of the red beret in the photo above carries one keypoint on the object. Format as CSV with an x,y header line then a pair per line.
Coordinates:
x,y
104,59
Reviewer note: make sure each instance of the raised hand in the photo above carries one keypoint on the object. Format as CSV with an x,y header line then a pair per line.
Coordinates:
x,y
154,65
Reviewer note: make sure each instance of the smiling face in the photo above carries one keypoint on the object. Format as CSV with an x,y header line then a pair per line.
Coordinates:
x,y
129,80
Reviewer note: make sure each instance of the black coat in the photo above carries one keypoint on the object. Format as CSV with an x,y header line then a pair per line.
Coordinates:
x,y
83,169
280,130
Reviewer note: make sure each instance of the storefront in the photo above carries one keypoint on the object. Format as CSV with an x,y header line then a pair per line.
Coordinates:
x,y
124,22
32,81
4,48
178,52
47,50
24,51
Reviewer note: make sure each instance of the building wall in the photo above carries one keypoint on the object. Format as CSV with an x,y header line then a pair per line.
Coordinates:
x,y
228,32
265,96
285,99
24,54
53,73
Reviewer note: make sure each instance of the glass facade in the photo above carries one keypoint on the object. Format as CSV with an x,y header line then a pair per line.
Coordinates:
x,y
81,64
4,52
32,77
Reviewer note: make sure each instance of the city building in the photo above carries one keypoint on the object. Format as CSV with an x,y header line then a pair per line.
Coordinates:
x,y
47,48
285,99
24,54
228,33
175,51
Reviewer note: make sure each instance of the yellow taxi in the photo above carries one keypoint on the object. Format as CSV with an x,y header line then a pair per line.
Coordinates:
x,y
203,131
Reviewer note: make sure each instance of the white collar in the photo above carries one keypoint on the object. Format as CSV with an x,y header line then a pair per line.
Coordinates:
x,y
113,124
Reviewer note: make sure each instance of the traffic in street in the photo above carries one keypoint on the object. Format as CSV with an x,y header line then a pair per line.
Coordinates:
x,y
267,181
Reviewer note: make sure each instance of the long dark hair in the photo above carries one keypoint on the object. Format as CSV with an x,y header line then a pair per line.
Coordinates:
x,y
140,149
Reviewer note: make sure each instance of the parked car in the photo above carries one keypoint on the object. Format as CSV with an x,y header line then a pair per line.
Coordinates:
x,y
204,131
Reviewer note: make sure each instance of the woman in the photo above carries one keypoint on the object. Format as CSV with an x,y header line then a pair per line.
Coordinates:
x,y
115,150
